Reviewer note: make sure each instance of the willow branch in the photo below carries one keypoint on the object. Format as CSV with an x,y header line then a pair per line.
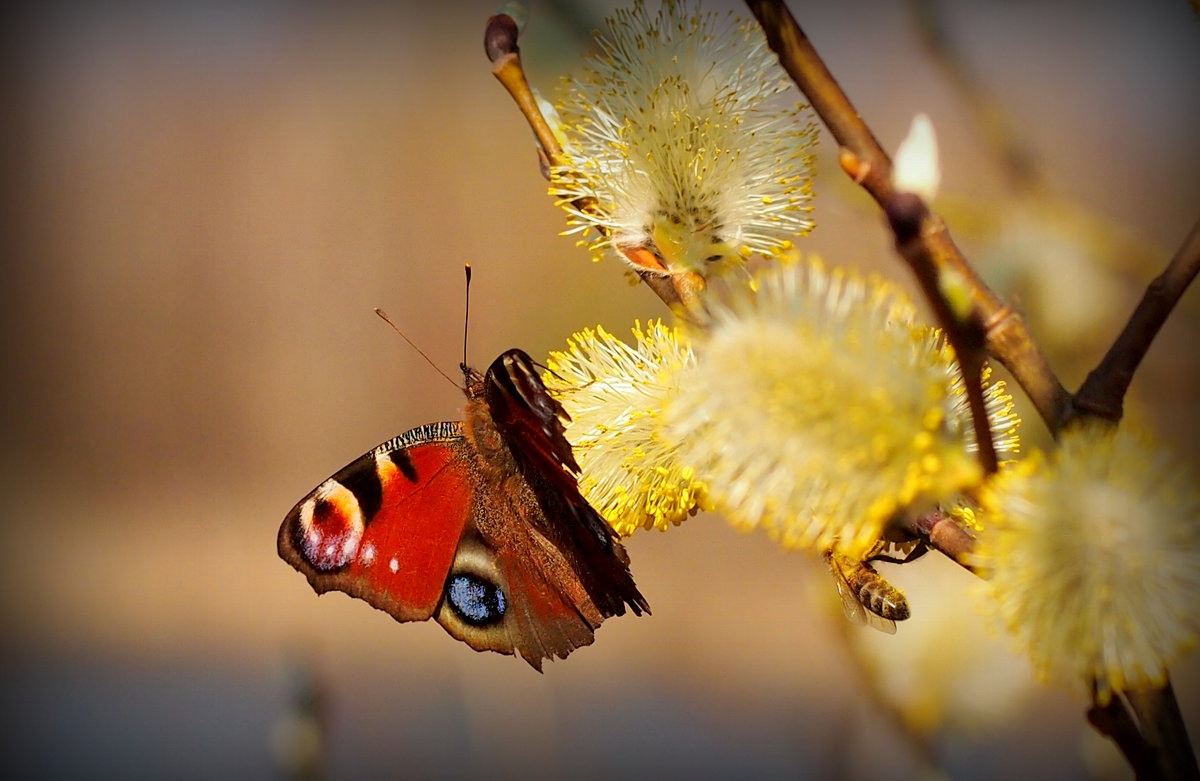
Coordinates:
x,y
1164,731
1116,723
944,535
679,292
908,215
500,44
1006,337
1103,392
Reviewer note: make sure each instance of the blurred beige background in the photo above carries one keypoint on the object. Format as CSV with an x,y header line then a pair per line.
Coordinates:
x,y
207,203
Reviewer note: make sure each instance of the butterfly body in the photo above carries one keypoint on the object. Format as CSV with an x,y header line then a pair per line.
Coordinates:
x,y
478,524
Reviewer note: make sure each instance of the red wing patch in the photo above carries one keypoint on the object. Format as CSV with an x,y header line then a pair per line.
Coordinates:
x,y
385,528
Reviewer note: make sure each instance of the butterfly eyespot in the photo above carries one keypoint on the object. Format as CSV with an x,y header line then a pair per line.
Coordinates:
x,y
475,601
330,527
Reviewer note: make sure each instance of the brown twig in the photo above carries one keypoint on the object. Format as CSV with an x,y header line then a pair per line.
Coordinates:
x,y
680,292
907,215
1164,732
1005,335
1103,392
1116,722
500,43
944,535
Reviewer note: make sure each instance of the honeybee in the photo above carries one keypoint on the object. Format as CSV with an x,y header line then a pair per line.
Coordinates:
x,y
867,597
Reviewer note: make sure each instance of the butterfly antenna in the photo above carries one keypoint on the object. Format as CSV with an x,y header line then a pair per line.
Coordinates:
x,y
466,311
411,343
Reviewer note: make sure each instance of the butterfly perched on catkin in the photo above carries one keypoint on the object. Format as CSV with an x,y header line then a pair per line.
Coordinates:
x,y
478,524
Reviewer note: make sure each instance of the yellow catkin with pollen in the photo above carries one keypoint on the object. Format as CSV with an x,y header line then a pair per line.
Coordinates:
x,y
614,393
681,137
816,410
1093,561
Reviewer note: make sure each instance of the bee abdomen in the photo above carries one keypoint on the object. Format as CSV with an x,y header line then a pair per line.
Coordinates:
x,y
882,598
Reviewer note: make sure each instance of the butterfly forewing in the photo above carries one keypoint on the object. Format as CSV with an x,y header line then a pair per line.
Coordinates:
x,y
530,419
385,527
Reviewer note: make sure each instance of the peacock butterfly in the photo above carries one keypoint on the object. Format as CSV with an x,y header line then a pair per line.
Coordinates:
x,y
479,524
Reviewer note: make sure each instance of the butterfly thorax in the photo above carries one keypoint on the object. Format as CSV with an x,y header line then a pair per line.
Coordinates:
x,y
493,459
479,427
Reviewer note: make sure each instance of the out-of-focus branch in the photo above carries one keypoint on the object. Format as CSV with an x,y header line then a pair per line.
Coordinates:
x,y
921,745
864,160
1103,392
1163,729
679,292
1116,723
1019,161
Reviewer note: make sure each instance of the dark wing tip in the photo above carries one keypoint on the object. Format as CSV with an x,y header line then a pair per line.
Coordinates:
x,y
529,417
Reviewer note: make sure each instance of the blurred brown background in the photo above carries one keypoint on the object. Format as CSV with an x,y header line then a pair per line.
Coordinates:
x,y
208,200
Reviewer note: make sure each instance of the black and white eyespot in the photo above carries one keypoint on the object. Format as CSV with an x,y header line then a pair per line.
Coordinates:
x,y
329,527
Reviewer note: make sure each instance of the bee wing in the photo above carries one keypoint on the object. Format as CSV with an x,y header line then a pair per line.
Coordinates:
x,y
854,610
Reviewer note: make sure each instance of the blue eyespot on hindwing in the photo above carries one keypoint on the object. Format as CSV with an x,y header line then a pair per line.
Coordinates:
x,y
476,601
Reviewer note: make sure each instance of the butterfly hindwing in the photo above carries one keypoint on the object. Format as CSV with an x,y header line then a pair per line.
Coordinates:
x,y
511,591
